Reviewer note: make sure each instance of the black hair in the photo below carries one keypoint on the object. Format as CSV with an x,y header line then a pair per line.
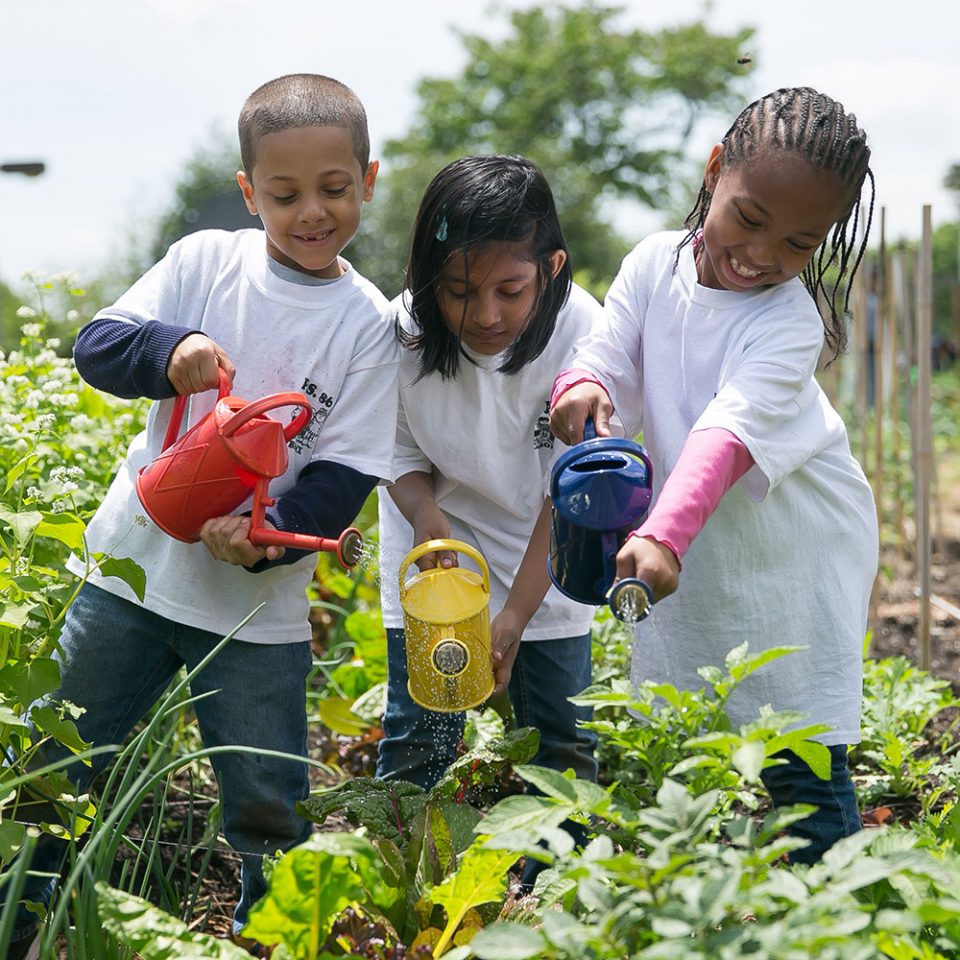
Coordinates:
x,y
470,203
302,100
817,128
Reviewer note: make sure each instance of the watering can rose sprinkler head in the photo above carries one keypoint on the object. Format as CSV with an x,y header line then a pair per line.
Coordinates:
x,y
630,599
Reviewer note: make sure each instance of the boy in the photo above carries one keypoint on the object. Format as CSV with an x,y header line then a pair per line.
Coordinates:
x,y
276,310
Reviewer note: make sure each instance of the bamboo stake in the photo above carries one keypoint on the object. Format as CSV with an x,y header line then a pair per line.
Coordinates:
x,y
895,265
860,332
873,375
909,340
924,443
879,323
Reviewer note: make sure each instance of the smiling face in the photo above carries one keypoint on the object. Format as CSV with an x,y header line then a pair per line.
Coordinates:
x,y
487,295
307,187
768,215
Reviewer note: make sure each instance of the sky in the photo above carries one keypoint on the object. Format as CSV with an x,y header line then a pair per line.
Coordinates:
x,y
114,96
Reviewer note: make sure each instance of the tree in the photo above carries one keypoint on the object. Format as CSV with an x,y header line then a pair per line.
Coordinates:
x,y
605,111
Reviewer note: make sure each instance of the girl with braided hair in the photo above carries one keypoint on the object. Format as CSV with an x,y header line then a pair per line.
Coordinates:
x,y
709,344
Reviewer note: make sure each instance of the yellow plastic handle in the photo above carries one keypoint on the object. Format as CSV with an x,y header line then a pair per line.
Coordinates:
x,y
430,546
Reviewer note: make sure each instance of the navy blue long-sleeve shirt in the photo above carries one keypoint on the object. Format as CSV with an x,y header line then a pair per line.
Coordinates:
x,y
131,360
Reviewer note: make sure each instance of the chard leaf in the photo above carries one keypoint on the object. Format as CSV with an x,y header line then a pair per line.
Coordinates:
x,y
385,807
480,878
309,888
154,934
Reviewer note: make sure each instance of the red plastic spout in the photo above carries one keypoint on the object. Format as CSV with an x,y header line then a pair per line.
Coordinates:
x,y
348,546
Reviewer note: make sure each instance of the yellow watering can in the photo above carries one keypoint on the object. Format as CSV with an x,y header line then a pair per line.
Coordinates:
x,y
446,619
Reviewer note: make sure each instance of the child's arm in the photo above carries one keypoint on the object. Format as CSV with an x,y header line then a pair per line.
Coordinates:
x,y
529,588
413,494
711,462
154,360
324,502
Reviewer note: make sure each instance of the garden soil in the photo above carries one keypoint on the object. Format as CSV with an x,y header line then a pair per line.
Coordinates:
x,y
896,625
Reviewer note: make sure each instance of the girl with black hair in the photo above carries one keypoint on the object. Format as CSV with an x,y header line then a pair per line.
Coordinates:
x,y
487,317
709,345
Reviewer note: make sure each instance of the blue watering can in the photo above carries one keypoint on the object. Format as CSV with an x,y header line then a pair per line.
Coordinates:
x,y
601,490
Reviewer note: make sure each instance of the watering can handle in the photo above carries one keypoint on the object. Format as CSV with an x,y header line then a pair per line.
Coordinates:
x,y
620,445
457,546
180,404
256,407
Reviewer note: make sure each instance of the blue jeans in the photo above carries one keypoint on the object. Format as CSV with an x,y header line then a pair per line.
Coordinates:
x,y
837,814
117,660
418,744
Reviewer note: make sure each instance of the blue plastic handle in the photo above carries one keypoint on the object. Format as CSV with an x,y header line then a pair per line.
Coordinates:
x,y
589,430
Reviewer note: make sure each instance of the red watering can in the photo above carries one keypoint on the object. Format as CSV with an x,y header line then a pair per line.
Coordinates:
x,y
232,453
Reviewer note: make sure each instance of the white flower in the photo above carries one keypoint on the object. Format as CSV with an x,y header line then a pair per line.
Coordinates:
x,y
73,315
31,330
26,313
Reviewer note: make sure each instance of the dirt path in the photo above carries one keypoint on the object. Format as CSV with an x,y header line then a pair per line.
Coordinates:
x,y
898,607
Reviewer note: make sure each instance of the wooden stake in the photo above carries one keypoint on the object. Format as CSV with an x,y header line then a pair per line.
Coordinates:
x,y
879,329
924,447
894,266
862,342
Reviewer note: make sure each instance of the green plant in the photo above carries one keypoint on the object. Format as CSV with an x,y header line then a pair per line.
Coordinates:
x,y
896,758
657,732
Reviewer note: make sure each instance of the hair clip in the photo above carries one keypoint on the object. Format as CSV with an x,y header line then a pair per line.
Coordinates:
x,y
441,233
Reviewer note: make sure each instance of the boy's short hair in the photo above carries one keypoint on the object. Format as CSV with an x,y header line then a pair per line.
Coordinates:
x,y
302,100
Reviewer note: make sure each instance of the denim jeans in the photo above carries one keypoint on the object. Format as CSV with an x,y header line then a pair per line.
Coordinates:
x,y
837,814
419,744
117,660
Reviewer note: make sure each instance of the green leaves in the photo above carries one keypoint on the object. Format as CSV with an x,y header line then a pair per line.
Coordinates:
x,y
154,934
604,106
125,569
309,886
386,808
480,878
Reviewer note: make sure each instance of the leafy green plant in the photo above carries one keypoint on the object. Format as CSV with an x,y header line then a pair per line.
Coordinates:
x,y
896,758
658,732
422,835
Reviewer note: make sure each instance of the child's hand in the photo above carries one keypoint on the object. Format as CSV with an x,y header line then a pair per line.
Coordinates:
x,y
652,562
429,523
574,406
228,539
195,365
505,632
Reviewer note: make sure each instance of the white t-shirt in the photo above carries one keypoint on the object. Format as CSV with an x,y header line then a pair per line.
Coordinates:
x,y
486,438
333,343
790,554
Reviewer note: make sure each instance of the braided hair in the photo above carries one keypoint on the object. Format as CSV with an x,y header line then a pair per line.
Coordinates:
x,y
815,127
